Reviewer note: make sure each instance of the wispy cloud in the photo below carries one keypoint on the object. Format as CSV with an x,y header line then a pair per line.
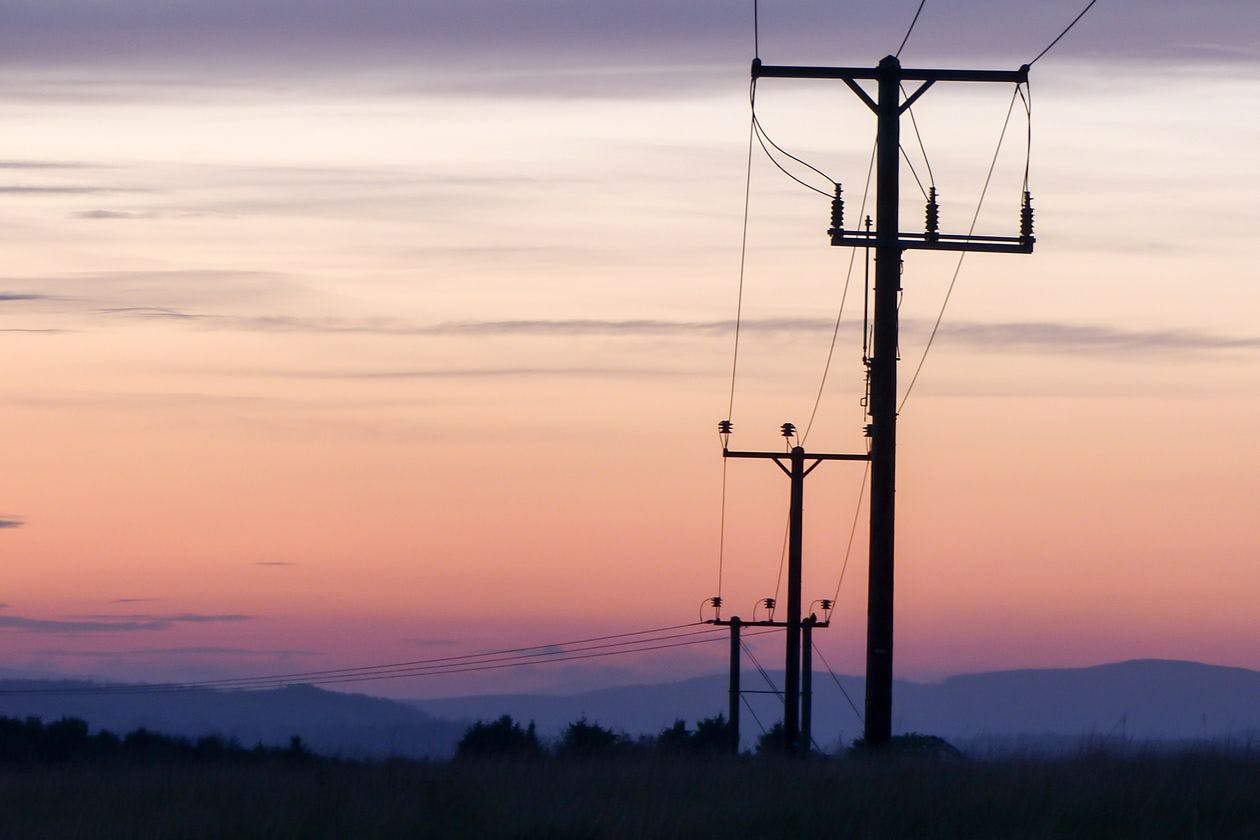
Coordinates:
x,y
23,189
174,651
42,164
110,214
10,522
19,296
48,625
1072,338
132,600
193,618
274,563
1049,336
110,623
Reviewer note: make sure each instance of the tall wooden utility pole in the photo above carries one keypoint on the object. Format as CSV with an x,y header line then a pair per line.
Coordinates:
x,y
889,243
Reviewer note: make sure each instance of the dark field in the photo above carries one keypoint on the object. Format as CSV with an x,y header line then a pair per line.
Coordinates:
x,y
1184,796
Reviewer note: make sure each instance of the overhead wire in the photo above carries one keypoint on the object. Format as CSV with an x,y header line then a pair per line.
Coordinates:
x,y
962,255
1075,20
508,657
764,138
839,685
918,12
844,294
739,314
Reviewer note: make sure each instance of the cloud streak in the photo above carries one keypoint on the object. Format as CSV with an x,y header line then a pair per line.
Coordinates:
x,y
577,46
110,623
9,523
1048,336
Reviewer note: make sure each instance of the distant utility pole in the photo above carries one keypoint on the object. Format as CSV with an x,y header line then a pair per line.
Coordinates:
x,y
795,737
890,242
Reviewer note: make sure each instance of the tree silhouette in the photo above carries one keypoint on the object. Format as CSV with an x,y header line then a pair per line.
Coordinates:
x,y
501,737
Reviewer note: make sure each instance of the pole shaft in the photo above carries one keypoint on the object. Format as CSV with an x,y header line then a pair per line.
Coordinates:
x,y
883,408
733,707
792,669
807,683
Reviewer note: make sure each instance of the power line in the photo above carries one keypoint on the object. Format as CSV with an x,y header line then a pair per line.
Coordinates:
x,y
510,657
763,138
839,685
857,510
739,313
918,12
835,333
962,255
1075,20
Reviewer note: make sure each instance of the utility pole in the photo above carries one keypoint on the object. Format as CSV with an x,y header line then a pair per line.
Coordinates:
x,y
796,470
890,242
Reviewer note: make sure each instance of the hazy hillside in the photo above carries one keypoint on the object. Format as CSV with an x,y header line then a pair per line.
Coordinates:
x,y
1142,699
330,722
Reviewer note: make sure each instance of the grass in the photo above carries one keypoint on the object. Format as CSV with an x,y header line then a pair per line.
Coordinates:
x,y
1199,794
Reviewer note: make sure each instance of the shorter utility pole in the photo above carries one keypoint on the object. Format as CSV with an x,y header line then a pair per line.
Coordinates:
x,y
807,683
733,709
796,470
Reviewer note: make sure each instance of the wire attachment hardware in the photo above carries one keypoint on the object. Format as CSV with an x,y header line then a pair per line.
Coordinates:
x,y
837,212
932,227
724,430
1026,220
716,603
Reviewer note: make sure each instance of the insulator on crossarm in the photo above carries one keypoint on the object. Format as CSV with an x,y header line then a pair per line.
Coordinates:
x,y
1026,219
788,430
724,431
933,222
837,212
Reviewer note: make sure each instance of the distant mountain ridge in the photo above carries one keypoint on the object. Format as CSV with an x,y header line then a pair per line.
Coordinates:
x,y
333,723
1142,700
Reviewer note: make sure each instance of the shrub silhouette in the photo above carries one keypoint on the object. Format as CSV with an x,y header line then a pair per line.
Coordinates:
x,y
501,737
770,742
584,739
712,735
912,743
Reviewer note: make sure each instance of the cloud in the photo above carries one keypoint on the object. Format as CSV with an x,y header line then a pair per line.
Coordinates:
x,y
21,189
478,373
132,600
1072,338
568,47
43,625
111,623
16,296
41,164
274,563
10,522
110,214
192,618
172,651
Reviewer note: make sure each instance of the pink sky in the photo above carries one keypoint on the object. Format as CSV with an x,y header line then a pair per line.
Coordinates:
x,y
356,371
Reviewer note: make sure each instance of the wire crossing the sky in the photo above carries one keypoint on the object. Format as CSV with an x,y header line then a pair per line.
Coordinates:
x,y
1075,20
618,644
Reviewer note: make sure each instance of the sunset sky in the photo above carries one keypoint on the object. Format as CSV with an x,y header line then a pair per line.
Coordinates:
x,y
341,333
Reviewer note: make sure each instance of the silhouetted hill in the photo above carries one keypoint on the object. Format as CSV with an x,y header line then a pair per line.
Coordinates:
x,y
351,725
1140,700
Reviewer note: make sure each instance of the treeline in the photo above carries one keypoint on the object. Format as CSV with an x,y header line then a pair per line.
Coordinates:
x,y
712,736
31,740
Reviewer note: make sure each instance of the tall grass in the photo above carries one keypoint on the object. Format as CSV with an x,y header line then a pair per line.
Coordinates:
x,y
1193,794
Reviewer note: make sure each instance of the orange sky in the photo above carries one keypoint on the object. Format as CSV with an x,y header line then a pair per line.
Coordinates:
x,y
353,375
